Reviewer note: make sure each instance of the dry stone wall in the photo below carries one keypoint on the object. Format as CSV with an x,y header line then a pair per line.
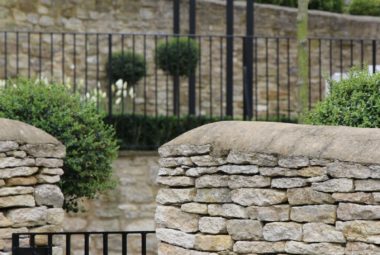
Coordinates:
x,y
268,188
30,166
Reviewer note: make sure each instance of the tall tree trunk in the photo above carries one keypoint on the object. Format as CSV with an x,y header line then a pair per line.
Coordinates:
x,y
302,59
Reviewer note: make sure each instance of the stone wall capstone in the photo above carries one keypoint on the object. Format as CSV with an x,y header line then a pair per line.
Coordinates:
x,y
30,166
270,188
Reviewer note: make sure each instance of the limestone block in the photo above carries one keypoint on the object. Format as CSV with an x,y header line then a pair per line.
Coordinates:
x,y
212,181
312,171
256,181
260,197
198,171
269,213
6,146
175,237
358,248
175,162
4,221
45,150
17,171
14,201
227,210
176,181
321,232
21,181
17,154
6,233
42,240
49,162
194,208
27,217
212,225
75,223
213,195
304,196
260,159
259,247
173,196
367,185
52,171
49,195
183,150
319,162
20,190
43,178
278,171
375,171
346,170
235,169
314,213
55,216
167,249
245,229
376,196
288,183
173,217
213,242
163,171
278,231
293,162
294,247
207,160
356,197
349,211
360,230
334,185
139,192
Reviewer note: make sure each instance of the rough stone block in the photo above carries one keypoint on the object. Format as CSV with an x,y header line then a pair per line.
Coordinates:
x,y
375,171
49,195
227,210
17,171
288,183
44,178
194,208
175,162
293,162
17,154
27,217
175,237
175,181
167,249
49,162
312,171
277,171
174,196
21,181
256,181
207,160
360,231
367,185
260,197
260,159
358,248
183,150
8,191
55,216
346,170
198,171
235,169
6,146
334,185
314,213
163,171
356,197
212,225
349,211
4,221
173,217
305,196
269,213
320,232
16,201
245,229
212,181
252,247
213,242
6,233
279,231
214,195
52,171
294,247
45,150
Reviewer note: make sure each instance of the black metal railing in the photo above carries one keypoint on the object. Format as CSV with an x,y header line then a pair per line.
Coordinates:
x,y
84,242
220,86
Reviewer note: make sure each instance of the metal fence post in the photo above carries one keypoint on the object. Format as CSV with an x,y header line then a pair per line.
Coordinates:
x,y
229,57
373,56
192,29
248,62
176,80
109,76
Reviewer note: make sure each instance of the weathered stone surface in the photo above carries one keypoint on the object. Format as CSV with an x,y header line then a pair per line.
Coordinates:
x,y
260,159
4,221
277,171
346,170
320,232
261,197
367,185
278,231
175,162
6,146
6,233
245,229
259,247
234,169
314,213
269,213
42,240
214,195
376,196
49,162
334,185
55,216
173,196
321,178
17,154
163,171
312,171
175,237
207,160
52,171
305,196
194,208
14,201
49,195
213,242
256,181
176,181
198,171
227,210
27,217
358,248
319,162
45,150
212,181
293,162
7,191
360,230
294,247
356,197
43,178
183,150
22,181
173,217
349,211
212,225
288,183
167,249
17,171
375,171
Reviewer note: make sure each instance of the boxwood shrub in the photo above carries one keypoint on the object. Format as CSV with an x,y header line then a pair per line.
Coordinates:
x,y
365,7
323,5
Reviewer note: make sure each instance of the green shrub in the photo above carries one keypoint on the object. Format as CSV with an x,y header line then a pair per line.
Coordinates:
x,y
354,101
178,56
90,143
365,7
323,5
129,67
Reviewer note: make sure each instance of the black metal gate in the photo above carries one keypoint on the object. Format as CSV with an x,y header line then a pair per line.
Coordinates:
x,y
43,243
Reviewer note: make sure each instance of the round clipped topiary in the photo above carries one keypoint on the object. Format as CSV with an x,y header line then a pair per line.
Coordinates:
x,y
90,144
128,66
178,56
354,101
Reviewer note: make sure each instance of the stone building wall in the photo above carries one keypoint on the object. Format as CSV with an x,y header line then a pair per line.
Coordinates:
x,y
149,16
267,188
30,167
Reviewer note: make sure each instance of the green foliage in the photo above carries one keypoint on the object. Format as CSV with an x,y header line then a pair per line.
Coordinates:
x,y
354,101
323,5
178,56
130,67
365,7
90,143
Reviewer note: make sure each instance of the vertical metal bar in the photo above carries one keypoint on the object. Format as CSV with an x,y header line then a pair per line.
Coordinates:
x,y
176,16
63,58
155,78
221,76
32,240
6,56
176,92
278,77
229,57
309,68
51,56
267,77
351,53
320,68
124,244
68,244
29,53
109,78
75,62
256,78
331,56
17,53
167,79
50,243
341,57
248,59
143,243
15,241
145,92
361,54
105,244
97,73
85,65
133,71
373,56
86,244
288,72
210,73
40,54
192,30
122,87
200,76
